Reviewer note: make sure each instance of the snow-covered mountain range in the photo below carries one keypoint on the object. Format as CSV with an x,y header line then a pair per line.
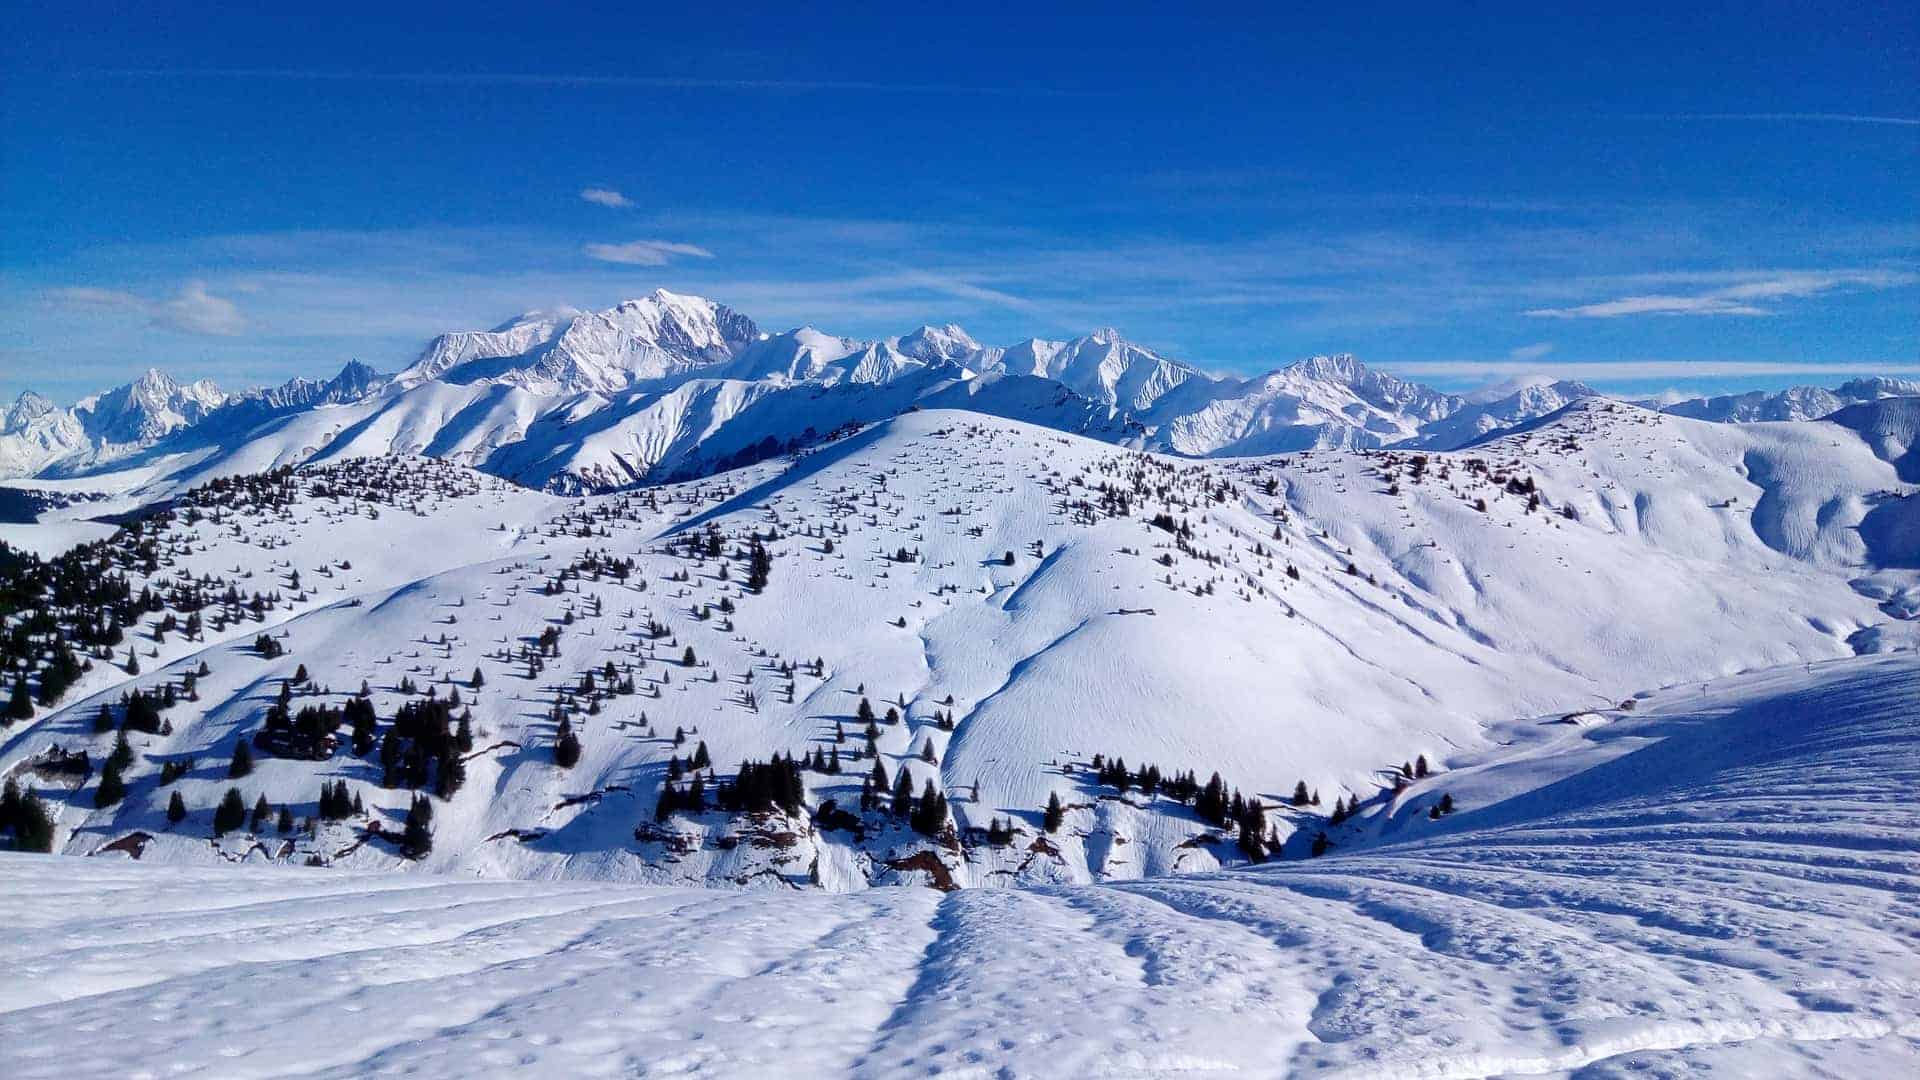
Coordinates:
x,y
1581,748
672,386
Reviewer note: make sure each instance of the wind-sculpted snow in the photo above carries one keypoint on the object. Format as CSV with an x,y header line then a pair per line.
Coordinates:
x,y
1724,880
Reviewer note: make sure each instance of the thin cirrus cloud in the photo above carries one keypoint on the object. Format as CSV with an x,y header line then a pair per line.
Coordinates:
x,y
1642,370
645,252
1806,117
569,80
193,310
605,197
1749,298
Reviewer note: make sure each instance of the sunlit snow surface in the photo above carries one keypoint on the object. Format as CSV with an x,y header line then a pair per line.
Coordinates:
x,y
1723,881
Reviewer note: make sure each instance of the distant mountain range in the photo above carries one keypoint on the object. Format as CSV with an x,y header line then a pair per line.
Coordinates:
x,y
671,386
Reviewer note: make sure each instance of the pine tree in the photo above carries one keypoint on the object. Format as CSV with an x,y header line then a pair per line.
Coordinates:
x,y
1300,796
1056,814
930,815
903,794
231,814
566,746
21,707
416,840
285,824
359,714
758,565
121,755
1420,767
1252,823
32,825
451,774
260,812
242,763
112,788
103,720
176,809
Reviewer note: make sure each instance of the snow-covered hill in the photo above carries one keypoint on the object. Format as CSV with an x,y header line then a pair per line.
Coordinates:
x,y
1008,601
1719,883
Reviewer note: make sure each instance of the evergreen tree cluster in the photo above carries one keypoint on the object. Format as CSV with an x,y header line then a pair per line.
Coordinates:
x,y
1213,802
25,819
416,836
337,803
760,788
424,745
691,796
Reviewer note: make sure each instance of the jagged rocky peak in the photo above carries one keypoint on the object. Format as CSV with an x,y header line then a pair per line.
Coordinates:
x,y
147,408
27,408
355,380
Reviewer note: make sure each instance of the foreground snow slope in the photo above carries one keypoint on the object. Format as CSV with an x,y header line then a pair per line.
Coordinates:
x,y
1725,880
1663,551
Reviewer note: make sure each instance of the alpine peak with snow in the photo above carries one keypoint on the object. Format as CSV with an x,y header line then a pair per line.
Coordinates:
x,y
671,387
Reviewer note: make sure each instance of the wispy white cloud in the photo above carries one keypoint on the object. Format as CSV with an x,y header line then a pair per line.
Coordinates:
x,y
1743,298
1650,305
1531,352
1632,370
564,80
197,311
87,296
645,252
605,197
193,310
1809,117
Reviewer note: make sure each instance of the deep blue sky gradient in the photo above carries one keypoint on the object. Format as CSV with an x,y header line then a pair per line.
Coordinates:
x,y
1461,197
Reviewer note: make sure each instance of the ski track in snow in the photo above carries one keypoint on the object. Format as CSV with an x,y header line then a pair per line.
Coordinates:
x,y
1727,880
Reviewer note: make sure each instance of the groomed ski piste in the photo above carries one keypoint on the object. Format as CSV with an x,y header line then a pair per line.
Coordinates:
x,y
1657,673
1721,883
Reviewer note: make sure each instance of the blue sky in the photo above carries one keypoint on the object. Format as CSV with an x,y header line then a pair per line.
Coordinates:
x,y
1717,198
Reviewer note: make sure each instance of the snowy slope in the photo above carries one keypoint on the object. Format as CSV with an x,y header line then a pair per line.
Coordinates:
x,y
1710,885
1662,551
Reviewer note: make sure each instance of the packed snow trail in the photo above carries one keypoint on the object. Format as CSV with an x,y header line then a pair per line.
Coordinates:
x,y
1726,879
